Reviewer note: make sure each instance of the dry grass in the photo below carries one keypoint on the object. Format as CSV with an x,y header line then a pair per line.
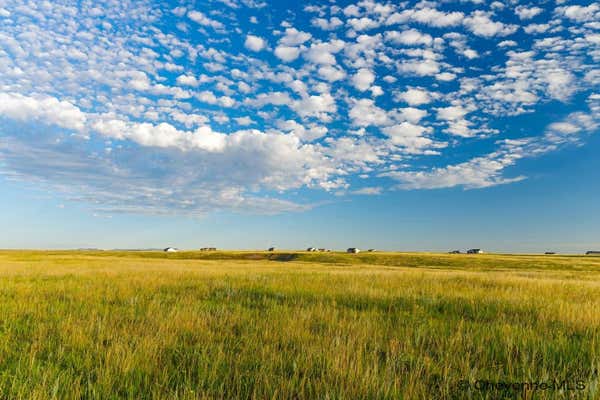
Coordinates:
x,y
238,325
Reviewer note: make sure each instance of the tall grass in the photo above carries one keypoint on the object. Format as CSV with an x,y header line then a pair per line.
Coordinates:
x,y
384,326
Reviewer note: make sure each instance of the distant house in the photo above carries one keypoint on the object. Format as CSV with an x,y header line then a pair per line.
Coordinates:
x,y
371,250
311,249
171,250
353,250
271,249
593,253
549,253
208,249
454,252
475,251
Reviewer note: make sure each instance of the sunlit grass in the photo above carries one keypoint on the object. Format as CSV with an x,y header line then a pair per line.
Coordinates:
x,y
238,325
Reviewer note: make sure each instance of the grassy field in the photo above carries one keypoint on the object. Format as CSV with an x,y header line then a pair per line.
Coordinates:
x,y
243,325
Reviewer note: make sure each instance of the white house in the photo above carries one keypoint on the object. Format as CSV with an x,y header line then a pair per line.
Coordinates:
x,y
171,250
353,250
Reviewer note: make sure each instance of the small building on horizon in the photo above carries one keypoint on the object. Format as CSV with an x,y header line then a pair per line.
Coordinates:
x,y
208,249
353,250
271,249
454,252
550,253
171,250
593,253
311,249
474,251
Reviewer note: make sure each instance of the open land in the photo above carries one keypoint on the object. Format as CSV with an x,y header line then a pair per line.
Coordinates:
x,y
286,325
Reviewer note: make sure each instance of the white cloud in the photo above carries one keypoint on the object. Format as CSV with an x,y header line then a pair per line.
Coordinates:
x,y
202,19
470,54
369,191
363,79
294,37
287,53
479,172
564,127
244,121
352,11
160,87
327,24
45,109
162,135
451,113
409,135
445,76
187,80
559,81
525,13
580,13
189,120
415,97
209,97
480,24
536,28
412,114
437,18
306,134
420,67
255,43
323,53
507,43
410,37
318,106
363,24
364,112
332,74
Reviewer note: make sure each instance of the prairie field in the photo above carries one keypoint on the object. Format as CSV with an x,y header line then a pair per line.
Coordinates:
x,y
252,325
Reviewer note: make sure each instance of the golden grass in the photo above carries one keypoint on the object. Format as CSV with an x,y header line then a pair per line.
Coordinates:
x,y
247,325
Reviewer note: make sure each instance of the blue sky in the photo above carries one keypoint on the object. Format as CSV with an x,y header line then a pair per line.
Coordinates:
x,y
425,125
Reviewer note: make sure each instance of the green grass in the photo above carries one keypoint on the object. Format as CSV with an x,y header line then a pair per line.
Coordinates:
x,y
254,325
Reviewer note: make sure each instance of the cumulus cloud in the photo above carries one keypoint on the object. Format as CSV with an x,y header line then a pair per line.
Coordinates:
x,y
327,24
294,37
287,53
202,19
363,24
304,133
364,112
409,37
363,79
324,53
110,94
437,18
409,135
415,97
481,24
527,12
255,43
45,109
580,13
187,80
477,173
332,74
